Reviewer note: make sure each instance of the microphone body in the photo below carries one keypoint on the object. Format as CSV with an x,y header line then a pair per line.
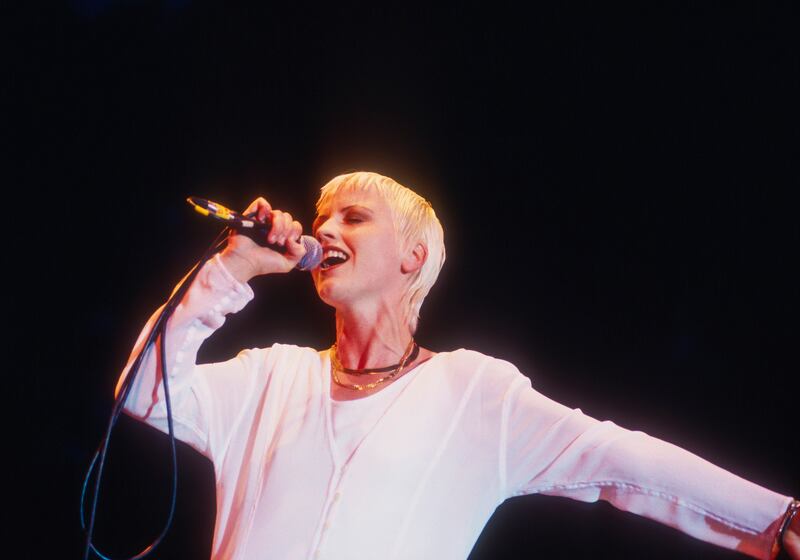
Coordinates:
x,y
257,231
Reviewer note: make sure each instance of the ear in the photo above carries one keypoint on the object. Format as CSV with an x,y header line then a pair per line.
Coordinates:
x,y
414,258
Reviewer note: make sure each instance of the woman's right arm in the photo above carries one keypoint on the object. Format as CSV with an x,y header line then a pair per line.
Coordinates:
x,y
206,398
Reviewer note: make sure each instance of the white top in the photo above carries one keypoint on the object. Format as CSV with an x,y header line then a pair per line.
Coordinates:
x,y
464,433
354,419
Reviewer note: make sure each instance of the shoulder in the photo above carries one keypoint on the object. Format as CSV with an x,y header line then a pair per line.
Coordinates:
x,y
283,356
471,362
489,381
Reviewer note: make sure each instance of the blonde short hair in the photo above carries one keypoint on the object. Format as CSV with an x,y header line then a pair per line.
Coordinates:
x,y
414,221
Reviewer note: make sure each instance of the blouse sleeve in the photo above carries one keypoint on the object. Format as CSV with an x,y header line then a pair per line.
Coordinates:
x,y
205,398
555,450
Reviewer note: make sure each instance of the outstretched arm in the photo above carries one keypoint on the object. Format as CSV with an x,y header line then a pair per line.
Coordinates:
x,y
556,450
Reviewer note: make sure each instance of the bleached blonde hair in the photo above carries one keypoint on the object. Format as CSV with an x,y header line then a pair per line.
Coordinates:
x,y
414,222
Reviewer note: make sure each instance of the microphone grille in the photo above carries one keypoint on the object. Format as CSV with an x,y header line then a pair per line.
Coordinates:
x,y
313,255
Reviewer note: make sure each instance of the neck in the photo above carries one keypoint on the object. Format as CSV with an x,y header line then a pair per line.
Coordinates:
x,y
371,339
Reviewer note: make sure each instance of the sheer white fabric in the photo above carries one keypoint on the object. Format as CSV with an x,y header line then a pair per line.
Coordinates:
x,y
423,475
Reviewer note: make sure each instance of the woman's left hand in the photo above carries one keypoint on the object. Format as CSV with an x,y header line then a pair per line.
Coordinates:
x,y
791,539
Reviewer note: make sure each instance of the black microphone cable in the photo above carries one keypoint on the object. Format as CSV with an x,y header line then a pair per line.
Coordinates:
x,y
157,332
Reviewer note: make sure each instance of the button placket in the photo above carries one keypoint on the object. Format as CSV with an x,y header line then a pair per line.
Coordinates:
x,y
331,510
326,524
328,515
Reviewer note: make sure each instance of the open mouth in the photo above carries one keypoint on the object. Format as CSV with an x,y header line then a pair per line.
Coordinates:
x,y
332,258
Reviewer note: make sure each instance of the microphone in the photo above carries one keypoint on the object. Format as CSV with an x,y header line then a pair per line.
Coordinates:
x,y
257,231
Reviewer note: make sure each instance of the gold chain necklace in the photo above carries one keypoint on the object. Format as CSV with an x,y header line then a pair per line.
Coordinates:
x,y
337,366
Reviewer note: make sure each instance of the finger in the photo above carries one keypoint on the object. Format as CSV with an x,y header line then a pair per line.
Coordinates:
x,y
264,209
294,245
253,207
296,231
260,207
275,230
295,250
286,227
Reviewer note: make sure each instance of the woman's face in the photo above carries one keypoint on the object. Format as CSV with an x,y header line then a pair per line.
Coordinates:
x,y
361,254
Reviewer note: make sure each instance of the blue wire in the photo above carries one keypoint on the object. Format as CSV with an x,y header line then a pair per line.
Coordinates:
x,y
159,330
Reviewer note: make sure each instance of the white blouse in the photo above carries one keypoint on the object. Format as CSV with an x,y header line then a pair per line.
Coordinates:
x,y
416,470
354,419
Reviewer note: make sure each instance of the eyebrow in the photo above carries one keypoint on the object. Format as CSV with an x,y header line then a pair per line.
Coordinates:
x,y
358,206
319,218
345,209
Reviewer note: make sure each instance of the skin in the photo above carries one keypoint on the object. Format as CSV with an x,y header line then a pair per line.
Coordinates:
x,y
372,324
366,291
791,540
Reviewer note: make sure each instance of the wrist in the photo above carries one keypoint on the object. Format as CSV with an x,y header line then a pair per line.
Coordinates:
x,y
788,537
791,538
240,267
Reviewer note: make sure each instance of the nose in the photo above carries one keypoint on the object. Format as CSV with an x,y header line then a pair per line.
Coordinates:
x,y
326,230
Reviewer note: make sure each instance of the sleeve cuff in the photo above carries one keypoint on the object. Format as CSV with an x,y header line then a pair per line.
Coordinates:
x,y
226,280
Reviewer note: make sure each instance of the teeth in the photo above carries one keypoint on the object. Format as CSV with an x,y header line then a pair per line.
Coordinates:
x,y
338,258
334,253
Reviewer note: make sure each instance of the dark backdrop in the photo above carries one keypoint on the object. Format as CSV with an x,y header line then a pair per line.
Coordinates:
x,y
616,187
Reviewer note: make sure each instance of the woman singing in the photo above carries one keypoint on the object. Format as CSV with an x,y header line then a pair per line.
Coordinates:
x,y
380,448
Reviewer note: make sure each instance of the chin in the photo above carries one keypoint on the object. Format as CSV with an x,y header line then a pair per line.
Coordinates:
x,y
326,293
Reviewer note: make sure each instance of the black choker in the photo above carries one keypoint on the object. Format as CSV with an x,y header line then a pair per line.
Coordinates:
x,y
367,371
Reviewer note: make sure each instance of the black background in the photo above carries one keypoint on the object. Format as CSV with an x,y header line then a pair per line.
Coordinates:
x,y
616,187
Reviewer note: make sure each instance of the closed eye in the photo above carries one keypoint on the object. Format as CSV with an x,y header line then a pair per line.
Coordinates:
x,y
349,218
354,219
